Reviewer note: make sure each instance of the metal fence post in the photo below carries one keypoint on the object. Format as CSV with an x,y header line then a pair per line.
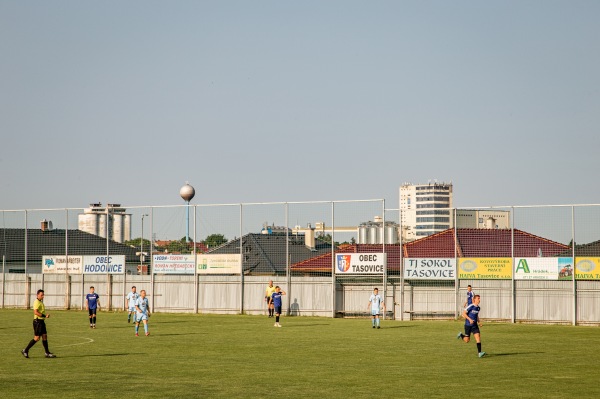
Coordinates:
x,y
574,321
332,260
513,290
242,261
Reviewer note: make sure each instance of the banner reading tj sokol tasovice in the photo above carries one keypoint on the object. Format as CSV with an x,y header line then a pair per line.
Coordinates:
x,y
102,264
429,268
365,263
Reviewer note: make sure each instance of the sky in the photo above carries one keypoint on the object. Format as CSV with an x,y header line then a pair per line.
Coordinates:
x,y
268,101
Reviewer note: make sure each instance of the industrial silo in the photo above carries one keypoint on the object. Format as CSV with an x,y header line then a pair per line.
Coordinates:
x,y
362,234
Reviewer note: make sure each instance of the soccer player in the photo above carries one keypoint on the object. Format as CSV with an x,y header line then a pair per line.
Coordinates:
x,y
39,326
276,303
470,294
472,324
376,303
268,293
132,297
142,306
92,303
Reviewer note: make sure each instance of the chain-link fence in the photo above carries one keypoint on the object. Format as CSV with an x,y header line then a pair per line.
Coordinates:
x,y
529,264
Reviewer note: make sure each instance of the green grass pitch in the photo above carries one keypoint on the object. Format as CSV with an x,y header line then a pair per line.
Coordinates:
x,y
190,355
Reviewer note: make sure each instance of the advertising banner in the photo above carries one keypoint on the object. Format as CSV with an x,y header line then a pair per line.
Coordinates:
x,y
102,264
219,263
57,264
543,268
429,268
587,268
174,264
485,268
365,263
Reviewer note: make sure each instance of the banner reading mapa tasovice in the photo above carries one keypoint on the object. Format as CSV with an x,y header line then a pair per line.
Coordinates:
x,y
174,264
485,268
429,268
102,264
60,264
365,263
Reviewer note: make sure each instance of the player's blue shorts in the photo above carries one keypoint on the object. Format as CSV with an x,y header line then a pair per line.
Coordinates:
x,y
474,329
140,316
374,312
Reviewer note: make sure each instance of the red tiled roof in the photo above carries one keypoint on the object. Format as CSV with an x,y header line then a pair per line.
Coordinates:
x,y
322,263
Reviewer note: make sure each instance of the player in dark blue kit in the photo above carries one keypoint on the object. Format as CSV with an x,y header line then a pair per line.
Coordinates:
x,y
472,324
276,302
92,304
470,295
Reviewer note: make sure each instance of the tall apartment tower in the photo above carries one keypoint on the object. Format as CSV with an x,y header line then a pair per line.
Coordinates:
x,y
425,209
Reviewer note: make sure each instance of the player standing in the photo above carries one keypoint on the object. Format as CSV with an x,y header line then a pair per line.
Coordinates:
x,y
132,297
92,303
276,303
376,303
472,324
39,326
470,295
268,293
142,307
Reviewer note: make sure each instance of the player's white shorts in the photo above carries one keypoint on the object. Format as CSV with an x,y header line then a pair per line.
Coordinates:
x,y
140,316
374,312
132,309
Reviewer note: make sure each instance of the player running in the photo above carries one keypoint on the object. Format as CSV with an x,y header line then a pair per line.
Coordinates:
x,y
142,307
376,303
132,297
472,324
470,295
276,302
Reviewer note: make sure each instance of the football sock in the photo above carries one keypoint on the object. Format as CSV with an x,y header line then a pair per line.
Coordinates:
x,y
462,335
31,343
373,321
137,328
128,316
478,347
146,328
377,322
45,343
94,319
276,319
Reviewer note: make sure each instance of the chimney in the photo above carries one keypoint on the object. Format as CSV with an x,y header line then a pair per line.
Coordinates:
x,y
309,237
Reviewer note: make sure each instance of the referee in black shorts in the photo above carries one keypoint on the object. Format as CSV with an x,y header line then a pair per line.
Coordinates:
x,y
39,326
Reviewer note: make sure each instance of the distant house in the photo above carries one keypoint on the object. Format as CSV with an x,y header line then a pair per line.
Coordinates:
x,y
265,254
466,243
591,249
163,244
52,242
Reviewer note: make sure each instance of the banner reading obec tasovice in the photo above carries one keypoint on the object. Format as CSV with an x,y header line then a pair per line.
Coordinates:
x,y
485,268
102,264
365,263
429,268
56,264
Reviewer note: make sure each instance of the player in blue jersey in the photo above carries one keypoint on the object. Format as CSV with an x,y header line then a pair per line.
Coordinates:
x,y
472,324
131,298
142,306
92,304
375,304
470,295
276,302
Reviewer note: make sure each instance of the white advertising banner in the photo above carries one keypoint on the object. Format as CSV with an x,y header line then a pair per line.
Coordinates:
x,y
57,264
543,268
219,263
174,264
429,268
102,264
361,263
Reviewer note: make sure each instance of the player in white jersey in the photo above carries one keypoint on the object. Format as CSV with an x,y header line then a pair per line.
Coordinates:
x,y
142,306
131,299
376,304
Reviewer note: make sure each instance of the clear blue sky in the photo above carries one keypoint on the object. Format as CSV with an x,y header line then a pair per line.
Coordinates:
x,y
255,101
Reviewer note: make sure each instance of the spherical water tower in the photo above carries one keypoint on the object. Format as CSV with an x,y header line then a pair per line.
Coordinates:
x,y
187,192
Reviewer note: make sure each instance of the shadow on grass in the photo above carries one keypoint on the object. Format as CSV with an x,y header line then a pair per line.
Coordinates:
x,y
397,327
168,335
102,355
306,325
511,354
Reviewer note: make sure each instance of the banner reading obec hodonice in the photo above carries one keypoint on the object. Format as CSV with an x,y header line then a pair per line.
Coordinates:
x,y
363,263
56,264
219,263
102,264
485,268
544,268
429,268
173,264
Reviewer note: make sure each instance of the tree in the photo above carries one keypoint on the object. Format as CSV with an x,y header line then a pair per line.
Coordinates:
x,y
136,243
214,240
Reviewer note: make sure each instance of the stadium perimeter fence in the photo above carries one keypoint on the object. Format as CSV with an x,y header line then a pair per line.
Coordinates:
x,y
536,264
